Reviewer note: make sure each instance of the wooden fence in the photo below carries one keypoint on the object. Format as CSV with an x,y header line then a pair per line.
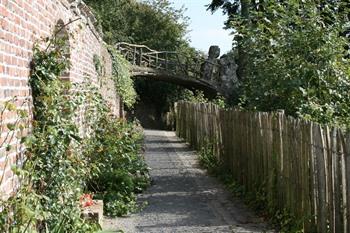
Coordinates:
x,y
303,167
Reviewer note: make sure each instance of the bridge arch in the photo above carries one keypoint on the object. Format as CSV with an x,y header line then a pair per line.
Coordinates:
x,y
166,66
189,83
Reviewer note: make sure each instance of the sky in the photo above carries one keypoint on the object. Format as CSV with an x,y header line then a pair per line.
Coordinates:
x,y
206,29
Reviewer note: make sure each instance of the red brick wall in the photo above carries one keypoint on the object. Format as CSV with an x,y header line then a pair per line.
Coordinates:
x,y
24,22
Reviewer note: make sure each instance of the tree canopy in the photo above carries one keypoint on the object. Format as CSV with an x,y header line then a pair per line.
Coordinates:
x,y
296,56
155,23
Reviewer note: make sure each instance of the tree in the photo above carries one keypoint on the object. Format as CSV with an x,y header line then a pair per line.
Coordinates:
x,y
154,23
236,9
129,21
114,16
296,58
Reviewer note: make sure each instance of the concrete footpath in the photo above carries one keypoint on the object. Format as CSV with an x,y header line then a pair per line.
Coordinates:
x,y
183,198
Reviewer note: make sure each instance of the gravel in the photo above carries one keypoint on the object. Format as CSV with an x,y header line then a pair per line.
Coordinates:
x,y
183,198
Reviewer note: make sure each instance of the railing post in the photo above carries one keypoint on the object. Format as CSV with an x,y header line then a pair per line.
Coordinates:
x,y
149,61
156,60
134,57
166,61
140,58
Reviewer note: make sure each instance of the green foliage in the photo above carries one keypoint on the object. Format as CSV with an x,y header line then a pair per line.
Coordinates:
x,y
120,170
296,64
295,58
258,200
208,160
60,160
14,131
129,21
57,170
220,101
98,64
168,28
195,97
113,17
122,79
53,172
198,97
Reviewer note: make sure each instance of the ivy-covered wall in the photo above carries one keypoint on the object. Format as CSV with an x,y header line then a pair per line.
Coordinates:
x,y
24,23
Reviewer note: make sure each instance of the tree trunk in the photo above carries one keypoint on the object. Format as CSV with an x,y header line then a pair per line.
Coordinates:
x,y
242,55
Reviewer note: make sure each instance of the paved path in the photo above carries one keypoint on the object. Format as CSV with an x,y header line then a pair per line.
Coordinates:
x,y
183,198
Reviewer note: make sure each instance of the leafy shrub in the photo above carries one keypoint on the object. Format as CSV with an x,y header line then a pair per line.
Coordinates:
x,y
208,160
60,159
120,170
59,169
53,173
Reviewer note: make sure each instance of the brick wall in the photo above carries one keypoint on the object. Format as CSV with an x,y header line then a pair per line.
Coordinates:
x,y
24,22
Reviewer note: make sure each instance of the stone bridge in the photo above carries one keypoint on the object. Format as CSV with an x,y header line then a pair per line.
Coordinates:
x,y
199,73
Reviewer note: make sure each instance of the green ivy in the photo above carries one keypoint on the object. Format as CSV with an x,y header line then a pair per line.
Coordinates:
x,y
57,167
75,145
208,160
98,64
53,174
122,79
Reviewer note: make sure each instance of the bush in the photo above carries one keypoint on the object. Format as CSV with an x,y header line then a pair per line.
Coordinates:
x,y
208,160
60,161
120,171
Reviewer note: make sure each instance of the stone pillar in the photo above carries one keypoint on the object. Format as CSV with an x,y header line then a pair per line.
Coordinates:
x,y
210,68
228,73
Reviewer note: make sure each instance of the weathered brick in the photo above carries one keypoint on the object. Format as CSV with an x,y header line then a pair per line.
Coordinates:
x,y
24,22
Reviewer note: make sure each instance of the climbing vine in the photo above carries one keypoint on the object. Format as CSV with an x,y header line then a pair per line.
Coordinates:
x,y
75,146
121,75
52,176
98,64
58,168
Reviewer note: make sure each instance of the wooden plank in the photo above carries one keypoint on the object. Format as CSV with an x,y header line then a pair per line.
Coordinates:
x,y
342,180
308,222
307,164
346,197
335,193
314,175
319,144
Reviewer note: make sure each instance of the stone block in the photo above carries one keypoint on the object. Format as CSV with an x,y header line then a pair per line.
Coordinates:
x,y
94,212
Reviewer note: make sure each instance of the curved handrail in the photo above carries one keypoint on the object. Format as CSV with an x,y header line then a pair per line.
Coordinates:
x,y
170,61
143,46
133,45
